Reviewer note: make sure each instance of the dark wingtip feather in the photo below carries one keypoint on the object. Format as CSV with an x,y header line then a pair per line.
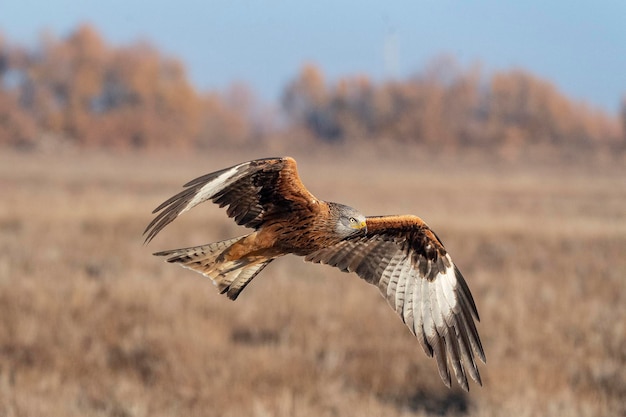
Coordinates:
x,y
478,379
465,291
442,362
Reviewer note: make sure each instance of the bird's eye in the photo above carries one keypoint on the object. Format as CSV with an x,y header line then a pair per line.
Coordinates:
x,y
353,220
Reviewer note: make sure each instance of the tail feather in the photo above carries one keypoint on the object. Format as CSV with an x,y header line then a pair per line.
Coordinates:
x,y
230,277
204,256
233,282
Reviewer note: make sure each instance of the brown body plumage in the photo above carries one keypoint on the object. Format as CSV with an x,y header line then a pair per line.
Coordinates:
x,y
399,254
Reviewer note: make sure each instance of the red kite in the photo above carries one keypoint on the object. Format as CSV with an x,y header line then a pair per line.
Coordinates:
x,y
401,255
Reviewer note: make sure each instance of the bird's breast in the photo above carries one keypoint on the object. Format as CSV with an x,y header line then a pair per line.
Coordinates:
x,y
301,235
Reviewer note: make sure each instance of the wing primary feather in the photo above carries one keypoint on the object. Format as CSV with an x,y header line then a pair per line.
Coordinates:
x,y
428,324
449,329
171,209
206,178
466,353
439,348
418,320
472,331
438,332
458,343
466,293
452,344
448,286
436,311
444,308
199,190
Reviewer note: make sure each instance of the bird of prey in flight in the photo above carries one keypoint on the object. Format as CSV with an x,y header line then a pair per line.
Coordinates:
x,y
399,254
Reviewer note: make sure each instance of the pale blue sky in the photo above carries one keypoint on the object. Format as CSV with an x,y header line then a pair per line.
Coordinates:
x,y
578,45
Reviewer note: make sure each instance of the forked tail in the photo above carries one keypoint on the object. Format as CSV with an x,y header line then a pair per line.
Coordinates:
x,y
230,276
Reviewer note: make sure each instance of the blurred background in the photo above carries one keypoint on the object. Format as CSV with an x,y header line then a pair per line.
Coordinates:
x,y
502,125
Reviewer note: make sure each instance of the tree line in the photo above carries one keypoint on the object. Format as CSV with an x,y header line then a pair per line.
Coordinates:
x,y
446,105
81,91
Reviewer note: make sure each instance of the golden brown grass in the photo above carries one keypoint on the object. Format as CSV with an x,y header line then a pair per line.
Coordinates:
x,y
92,325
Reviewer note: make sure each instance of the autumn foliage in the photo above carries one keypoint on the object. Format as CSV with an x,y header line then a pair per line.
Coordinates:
x,y
446,105
80,91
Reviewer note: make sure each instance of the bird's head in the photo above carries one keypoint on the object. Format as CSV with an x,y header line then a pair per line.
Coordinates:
x,y
350,222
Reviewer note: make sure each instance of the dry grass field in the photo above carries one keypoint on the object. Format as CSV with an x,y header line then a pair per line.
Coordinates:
x,y
91,324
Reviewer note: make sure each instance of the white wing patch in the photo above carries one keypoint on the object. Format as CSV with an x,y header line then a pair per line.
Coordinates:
x,y
447,285
214,186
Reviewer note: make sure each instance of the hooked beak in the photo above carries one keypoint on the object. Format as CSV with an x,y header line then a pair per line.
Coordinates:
x,y
363,227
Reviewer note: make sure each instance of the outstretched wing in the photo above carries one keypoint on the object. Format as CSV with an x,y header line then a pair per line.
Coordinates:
x,y
410,266
253,191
